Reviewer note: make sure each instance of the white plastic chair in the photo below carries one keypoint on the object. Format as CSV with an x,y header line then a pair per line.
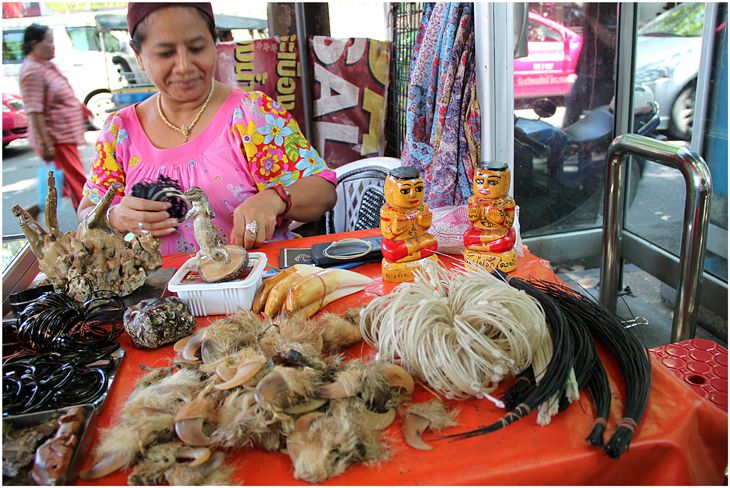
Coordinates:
x,y
354,180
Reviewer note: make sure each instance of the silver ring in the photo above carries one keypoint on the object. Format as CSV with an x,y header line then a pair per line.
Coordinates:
x,y
140,227
253,228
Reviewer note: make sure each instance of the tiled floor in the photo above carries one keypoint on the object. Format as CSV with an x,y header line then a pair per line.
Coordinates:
x,y
643,299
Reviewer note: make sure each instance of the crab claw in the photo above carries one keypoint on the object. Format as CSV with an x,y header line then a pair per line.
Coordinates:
x,y
413,426
189,421
379,421
199,455
180,345
271,389
225,372
192,347
399,377
245,372
104,466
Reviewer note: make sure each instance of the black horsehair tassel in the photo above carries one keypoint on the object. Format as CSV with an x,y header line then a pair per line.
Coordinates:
x,y
589,372
573,321
632,357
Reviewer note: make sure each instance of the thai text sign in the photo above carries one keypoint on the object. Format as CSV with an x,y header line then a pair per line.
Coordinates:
x,y
267,65
349,83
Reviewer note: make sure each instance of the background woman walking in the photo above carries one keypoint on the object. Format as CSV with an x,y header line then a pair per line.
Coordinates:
x,y
57,117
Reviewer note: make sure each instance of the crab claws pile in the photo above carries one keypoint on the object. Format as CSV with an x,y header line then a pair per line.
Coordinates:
x,y
305,289
278,385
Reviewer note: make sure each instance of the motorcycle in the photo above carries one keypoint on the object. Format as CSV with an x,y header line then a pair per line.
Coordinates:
x,y
560,172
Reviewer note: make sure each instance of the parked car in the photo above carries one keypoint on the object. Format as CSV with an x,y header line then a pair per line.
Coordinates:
x,y
15,123
668,60
552,53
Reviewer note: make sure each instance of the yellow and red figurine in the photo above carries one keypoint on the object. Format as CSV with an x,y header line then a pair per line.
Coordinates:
x,y
490,238
404,222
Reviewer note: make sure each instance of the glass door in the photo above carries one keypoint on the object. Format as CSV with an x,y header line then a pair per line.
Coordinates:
x,y
651,56
681,63
564,123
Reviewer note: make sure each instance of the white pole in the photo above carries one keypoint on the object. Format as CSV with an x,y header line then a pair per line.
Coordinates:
x,y
494,44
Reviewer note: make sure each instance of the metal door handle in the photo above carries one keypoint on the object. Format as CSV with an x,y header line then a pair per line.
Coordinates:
x,y
694,235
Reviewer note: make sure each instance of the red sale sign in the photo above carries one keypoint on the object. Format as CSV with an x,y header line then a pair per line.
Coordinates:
x,y
350,92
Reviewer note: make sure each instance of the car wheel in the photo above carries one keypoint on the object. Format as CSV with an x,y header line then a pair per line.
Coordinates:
x,y
99,103
683,111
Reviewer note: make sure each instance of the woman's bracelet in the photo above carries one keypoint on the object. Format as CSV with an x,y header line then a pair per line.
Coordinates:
x,y
109,216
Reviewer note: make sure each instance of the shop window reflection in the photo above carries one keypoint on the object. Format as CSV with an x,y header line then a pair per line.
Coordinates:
x,y
560,153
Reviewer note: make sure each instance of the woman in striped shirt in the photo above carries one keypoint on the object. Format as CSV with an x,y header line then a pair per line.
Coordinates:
x,y
57,118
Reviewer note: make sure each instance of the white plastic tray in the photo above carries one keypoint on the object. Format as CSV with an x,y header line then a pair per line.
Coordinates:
x,y
219,298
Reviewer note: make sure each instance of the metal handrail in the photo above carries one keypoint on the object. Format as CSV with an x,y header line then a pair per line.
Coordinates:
x,y
694,235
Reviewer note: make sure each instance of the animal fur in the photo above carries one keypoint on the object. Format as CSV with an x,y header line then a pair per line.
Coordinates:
x,y
263,411
241,422
332,443
157,460
213,472
435,412
133,434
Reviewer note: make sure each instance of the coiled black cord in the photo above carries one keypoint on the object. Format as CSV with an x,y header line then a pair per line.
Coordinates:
x,y
164,189
56,322
71,352
35,382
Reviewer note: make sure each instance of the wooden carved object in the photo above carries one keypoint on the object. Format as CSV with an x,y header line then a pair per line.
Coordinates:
x,y
95,257
404,222
216,262
490,238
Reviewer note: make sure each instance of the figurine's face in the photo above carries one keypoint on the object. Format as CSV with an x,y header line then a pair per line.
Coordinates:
x,y
491,184
403,193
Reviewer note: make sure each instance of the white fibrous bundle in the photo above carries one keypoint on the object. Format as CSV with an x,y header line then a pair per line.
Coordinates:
x,y
460,331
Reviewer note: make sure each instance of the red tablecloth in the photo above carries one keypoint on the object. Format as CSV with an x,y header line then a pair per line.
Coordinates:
x,y
682,438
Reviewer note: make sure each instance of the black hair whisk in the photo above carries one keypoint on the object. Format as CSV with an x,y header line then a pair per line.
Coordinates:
x,y
584,352
515,394
600,391
633,359
590,374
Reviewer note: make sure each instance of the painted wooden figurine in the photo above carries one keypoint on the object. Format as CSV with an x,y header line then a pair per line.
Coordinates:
x,y
404,220
490,238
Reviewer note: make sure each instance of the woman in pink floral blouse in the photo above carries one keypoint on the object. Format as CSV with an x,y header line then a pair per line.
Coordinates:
x,y
244,150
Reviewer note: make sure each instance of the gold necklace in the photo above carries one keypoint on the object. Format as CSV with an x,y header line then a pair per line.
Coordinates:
x,y
185,129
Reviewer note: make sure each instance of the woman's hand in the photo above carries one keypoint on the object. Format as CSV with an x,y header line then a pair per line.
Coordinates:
x,y
263,209
139,215
48,152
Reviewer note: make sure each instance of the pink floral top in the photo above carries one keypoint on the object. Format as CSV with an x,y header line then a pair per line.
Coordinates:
x,y
251,144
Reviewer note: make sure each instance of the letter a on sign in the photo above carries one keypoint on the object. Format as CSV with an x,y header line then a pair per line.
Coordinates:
x,y
335,93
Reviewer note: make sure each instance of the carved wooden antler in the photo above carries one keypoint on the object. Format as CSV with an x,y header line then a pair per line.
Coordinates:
x,y
96,256
52,209
33,232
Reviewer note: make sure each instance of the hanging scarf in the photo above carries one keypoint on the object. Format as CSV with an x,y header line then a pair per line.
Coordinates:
x,y
442,112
